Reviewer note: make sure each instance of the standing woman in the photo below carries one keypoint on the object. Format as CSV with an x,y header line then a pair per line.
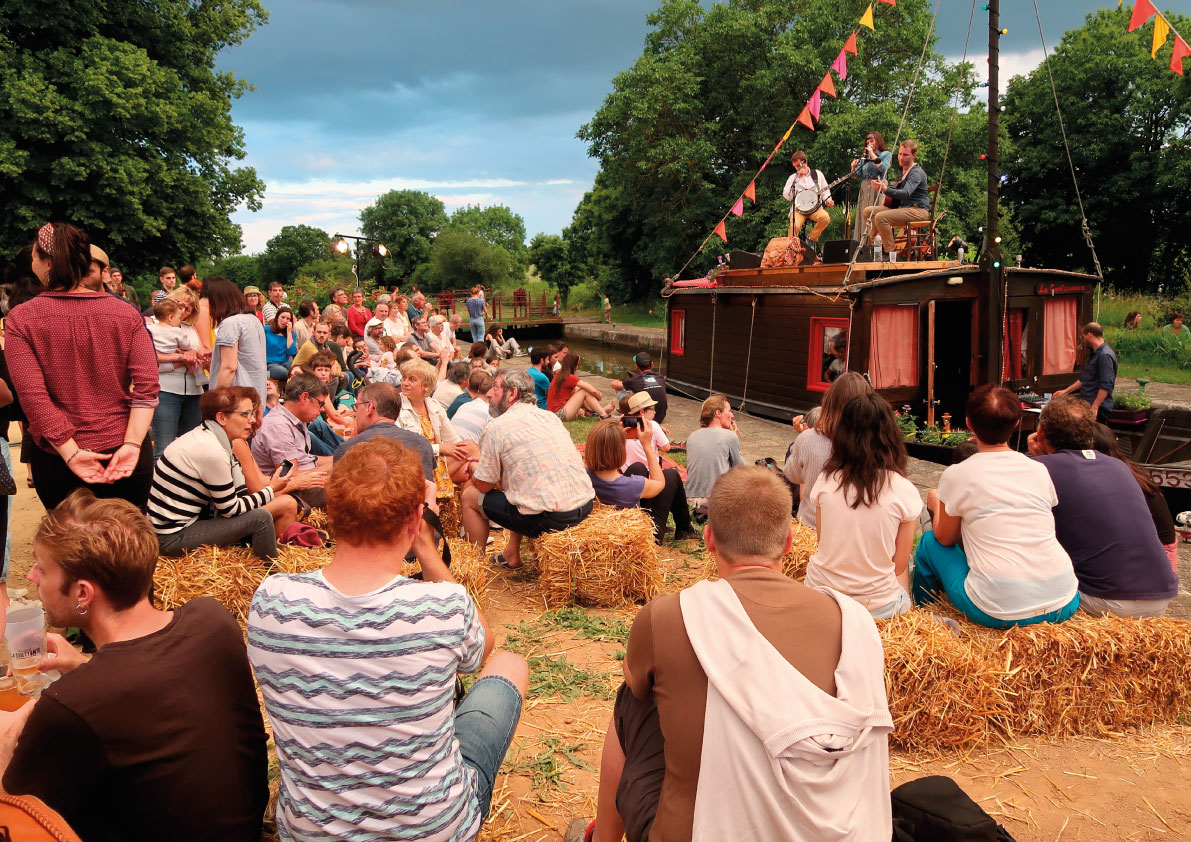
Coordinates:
x,y
873,163
281,346
84,366
253,296
477,309
239,357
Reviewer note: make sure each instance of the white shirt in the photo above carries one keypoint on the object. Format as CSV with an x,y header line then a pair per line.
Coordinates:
x,y
856,545
1018,569
814,180
634,452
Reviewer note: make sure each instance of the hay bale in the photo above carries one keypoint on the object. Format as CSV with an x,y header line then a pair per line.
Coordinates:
x,y
610,559
469,566
450,511
229,574
804,545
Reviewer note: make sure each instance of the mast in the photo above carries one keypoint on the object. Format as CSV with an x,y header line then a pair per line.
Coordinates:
x,y
992,264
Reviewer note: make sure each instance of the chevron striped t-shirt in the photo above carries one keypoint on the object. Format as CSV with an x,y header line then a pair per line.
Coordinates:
x,y
359,690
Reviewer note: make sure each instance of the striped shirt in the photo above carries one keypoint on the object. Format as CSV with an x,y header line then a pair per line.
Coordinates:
x,y
471,419
360,691
196,473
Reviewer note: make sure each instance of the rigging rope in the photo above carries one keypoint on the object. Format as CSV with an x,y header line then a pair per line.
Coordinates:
x,y
1083,217
954,108
711,372
749,358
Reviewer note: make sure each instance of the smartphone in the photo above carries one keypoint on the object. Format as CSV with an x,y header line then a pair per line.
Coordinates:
x,y
632,422
287,467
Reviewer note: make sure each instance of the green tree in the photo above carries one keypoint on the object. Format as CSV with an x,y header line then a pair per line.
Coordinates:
x,y
1127,118
406,222
243,270
551,258
292,247
499,226
114,117
685,128
460,261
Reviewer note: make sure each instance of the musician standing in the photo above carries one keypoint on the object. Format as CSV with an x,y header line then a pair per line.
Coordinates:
x,y
872,165
911,201
812,183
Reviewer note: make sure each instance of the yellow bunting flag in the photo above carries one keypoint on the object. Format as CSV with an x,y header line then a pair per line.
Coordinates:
x,y
827,86
721,231
867,18
1161,30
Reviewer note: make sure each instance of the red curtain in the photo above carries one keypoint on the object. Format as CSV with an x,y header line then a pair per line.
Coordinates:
x,y
1012,351
893,346
1060,335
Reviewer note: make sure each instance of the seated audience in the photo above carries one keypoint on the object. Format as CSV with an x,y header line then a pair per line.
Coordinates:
x,y
381,751
199,494
1100,517
723,670
284,434
651,488
642,405
645,380
156,736
570,395
324,439
529,478
501,347
281,345
422,414
712,450
1012,570
539,359
812,446
471,418
453,385
867,511
1105,441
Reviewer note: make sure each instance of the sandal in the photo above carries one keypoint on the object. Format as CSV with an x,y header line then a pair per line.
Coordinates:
x,y
498,560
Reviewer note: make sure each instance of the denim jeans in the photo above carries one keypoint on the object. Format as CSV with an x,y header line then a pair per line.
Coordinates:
x,y
484,724
323,440
174,416
6,452
477,330
278,371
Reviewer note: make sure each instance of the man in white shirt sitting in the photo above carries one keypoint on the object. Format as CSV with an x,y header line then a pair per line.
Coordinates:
x,y
806,181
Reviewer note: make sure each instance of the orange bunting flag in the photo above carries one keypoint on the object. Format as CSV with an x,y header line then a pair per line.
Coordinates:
x,y
1177,53
1161,30
738,208
1143,10
805,118
890,2
721,232
827,86
814,103
867,18
850,44
751,192
840,65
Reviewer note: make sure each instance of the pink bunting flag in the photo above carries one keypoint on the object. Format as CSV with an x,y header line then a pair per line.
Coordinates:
x,y
827,86
1143,10
738,208
890,2
721,232
850,45
751,191
805,118
767,160
814,103
840,65
1177,53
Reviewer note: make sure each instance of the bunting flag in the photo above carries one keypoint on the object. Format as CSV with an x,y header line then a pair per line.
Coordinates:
x,y
850,44
767,160
751,192
1143,10
785,137
738,208
827,86
721,232
890,2
805,118
840,65
814,103
1177,53
1161,30
867,18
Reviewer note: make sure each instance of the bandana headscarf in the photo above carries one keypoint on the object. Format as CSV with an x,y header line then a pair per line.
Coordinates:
x,y
45,239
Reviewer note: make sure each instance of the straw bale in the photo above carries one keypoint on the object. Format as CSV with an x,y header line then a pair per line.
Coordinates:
x,y
229,574
804,545
450,510
319,520
610,559
469,566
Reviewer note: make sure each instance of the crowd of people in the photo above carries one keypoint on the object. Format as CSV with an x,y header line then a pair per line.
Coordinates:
x,y
381,416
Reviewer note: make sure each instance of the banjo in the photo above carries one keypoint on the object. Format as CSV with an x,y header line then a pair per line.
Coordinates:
x,y
807,202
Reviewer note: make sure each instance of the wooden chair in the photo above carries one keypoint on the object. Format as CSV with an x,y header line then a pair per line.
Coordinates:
x,y
918,240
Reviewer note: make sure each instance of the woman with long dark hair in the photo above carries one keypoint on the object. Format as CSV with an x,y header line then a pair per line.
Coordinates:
x,y
873,163
281,344
239,357
569,394
84,366
868,511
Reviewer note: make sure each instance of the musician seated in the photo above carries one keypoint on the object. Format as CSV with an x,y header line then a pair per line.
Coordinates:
x,y
909,199
809,192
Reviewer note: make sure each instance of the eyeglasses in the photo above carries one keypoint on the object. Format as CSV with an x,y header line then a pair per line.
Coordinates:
x,y
247,413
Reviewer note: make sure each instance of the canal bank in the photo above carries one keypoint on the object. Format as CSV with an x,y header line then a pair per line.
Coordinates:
x,y
628,337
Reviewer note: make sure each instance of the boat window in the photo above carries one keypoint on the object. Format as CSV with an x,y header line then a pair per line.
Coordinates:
x,y
678,332
1016,344
1060,338
893,346
827,358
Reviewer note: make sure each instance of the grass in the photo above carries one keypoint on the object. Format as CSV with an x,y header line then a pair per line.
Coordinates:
x,y
525,637
580,427
559,677
545,769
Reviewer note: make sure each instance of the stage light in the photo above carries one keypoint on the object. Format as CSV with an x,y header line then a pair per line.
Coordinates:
x,y
341,246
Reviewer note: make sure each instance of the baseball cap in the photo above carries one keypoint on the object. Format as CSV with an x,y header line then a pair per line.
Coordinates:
x,y
642,359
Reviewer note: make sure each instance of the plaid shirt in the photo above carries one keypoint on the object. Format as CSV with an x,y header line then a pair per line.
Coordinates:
x,y
80,362
529,453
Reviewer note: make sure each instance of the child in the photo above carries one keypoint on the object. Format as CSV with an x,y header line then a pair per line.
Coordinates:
x,y
384,366
169,337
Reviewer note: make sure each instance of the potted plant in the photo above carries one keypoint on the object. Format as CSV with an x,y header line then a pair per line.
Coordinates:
x,y
1129,407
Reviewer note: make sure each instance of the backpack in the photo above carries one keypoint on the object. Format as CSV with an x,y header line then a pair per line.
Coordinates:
x,y
24,818
935,809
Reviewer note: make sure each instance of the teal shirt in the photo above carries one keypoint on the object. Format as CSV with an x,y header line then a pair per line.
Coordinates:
x,y
541,385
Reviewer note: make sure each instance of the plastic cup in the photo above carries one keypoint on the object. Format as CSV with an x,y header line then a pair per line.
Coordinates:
x,y
24,637
893,257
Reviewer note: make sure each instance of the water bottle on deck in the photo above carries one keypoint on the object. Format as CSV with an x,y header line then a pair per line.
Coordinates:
x,y
878,254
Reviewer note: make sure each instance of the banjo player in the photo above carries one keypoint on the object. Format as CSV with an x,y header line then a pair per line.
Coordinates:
x,y
808,191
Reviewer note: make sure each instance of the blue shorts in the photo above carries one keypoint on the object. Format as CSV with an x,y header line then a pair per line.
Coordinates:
x,y
484,724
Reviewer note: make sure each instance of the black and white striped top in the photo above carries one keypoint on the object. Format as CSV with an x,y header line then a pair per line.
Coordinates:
x,y
196,474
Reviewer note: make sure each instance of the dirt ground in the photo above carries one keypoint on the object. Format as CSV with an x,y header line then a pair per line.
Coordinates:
x,y
1128,787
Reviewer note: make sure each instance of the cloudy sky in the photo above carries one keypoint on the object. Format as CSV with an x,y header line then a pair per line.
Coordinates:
x,y
475,102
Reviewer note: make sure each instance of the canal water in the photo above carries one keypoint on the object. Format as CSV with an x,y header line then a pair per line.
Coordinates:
x,y
604,360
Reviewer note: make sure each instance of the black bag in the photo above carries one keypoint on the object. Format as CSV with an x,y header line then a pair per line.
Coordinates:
x,y
935,809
